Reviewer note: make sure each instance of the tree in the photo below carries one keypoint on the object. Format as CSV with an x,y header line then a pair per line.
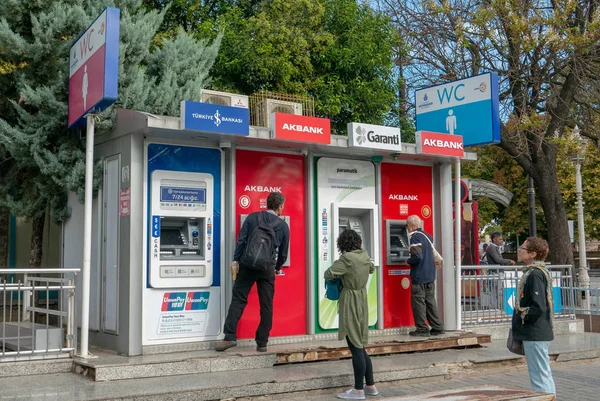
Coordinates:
x,y
41,159
339,52
546,54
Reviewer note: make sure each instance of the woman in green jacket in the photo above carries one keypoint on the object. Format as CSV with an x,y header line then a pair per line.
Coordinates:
x,y
354,267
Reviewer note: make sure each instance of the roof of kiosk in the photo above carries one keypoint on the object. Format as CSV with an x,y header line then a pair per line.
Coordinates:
x,y
136,122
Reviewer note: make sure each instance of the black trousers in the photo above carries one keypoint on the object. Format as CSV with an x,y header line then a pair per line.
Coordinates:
x,y
363,368
424,306
265,282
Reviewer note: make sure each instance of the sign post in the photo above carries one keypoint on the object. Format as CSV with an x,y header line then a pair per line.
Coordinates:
x,y
93,83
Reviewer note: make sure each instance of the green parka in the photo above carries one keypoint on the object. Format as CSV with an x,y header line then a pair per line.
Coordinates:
x,y
354,269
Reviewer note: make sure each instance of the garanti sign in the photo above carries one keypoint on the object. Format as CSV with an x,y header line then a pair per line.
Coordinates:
x,y
374,137
301,128
436,144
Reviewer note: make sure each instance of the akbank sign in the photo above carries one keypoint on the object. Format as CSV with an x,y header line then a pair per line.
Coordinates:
x,y
214,118
374,137
468,107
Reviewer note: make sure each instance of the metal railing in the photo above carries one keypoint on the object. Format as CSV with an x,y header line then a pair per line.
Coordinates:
x,y
488,293
38,314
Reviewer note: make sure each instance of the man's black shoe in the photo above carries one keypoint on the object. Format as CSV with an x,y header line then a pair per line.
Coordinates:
x,y
225,345
261,349
419,333
435,332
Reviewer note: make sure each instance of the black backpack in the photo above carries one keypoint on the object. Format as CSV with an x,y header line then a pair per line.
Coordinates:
x,y
259,253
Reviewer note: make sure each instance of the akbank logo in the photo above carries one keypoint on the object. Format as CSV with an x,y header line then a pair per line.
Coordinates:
x,y
361,135
217,119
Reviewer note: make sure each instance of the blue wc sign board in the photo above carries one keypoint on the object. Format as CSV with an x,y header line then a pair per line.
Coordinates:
x,y
214,118
468,107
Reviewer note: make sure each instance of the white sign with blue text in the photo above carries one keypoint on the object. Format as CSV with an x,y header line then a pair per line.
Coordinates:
x,y
214,118
468,107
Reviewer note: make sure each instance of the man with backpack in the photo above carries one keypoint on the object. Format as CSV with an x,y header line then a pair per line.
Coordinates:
x,y
261,250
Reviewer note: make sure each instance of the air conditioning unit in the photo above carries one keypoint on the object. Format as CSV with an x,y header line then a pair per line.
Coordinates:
x,y
265,107
224,99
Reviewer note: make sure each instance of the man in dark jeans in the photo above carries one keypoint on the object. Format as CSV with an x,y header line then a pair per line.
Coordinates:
x,y
422,274
265,280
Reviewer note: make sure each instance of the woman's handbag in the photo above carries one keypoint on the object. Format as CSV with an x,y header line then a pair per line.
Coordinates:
x,y
514,346
333,288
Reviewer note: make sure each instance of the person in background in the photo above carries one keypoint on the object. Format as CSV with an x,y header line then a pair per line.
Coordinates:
x,y
493,255
532,321
354,267
422,275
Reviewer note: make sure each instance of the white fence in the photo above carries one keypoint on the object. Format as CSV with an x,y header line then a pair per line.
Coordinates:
x,y
488,293
37,308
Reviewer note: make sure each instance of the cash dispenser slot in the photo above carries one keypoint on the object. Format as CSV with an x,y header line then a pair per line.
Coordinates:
x,y
397,242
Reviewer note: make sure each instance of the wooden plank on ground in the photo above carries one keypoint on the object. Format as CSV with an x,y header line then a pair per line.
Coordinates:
x,y
467,340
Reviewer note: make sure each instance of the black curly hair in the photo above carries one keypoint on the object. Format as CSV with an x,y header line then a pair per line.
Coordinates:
x,y
349,241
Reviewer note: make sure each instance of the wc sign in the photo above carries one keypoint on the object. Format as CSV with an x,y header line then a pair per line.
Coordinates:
x,y
94,68
468,107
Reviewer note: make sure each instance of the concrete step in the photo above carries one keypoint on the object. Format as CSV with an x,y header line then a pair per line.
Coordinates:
x,y
114,367
36,367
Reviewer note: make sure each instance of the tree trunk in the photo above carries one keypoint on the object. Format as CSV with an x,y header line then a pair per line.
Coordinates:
x,y
4,237
37,241
555,214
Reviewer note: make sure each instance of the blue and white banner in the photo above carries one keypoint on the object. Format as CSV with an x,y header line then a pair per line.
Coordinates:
x,y
468,107
214,118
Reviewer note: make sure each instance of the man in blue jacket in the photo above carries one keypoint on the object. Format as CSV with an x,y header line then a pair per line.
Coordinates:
x,y
422,275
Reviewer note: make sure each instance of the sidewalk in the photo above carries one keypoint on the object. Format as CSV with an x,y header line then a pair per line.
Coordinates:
x,y
438,366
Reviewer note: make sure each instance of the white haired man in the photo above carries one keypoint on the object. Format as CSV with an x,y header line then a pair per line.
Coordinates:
x,y
422,275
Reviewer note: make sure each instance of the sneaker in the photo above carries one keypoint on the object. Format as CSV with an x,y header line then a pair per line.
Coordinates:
x,y
437,332
419,333
261,349
225,345
371,391
351,394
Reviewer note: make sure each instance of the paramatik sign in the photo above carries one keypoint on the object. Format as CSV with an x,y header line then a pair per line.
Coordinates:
x,y
436,144
301,128
94,68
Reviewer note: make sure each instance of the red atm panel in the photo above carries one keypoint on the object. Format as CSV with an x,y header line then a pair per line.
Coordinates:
x,y
257,174
406,190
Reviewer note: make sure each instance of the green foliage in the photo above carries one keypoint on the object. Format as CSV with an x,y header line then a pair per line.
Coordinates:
x,y
496,166
339,52
42,159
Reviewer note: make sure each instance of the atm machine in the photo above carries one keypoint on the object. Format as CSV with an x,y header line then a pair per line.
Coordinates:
x,y
397,244
181,254
363,220
182,298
